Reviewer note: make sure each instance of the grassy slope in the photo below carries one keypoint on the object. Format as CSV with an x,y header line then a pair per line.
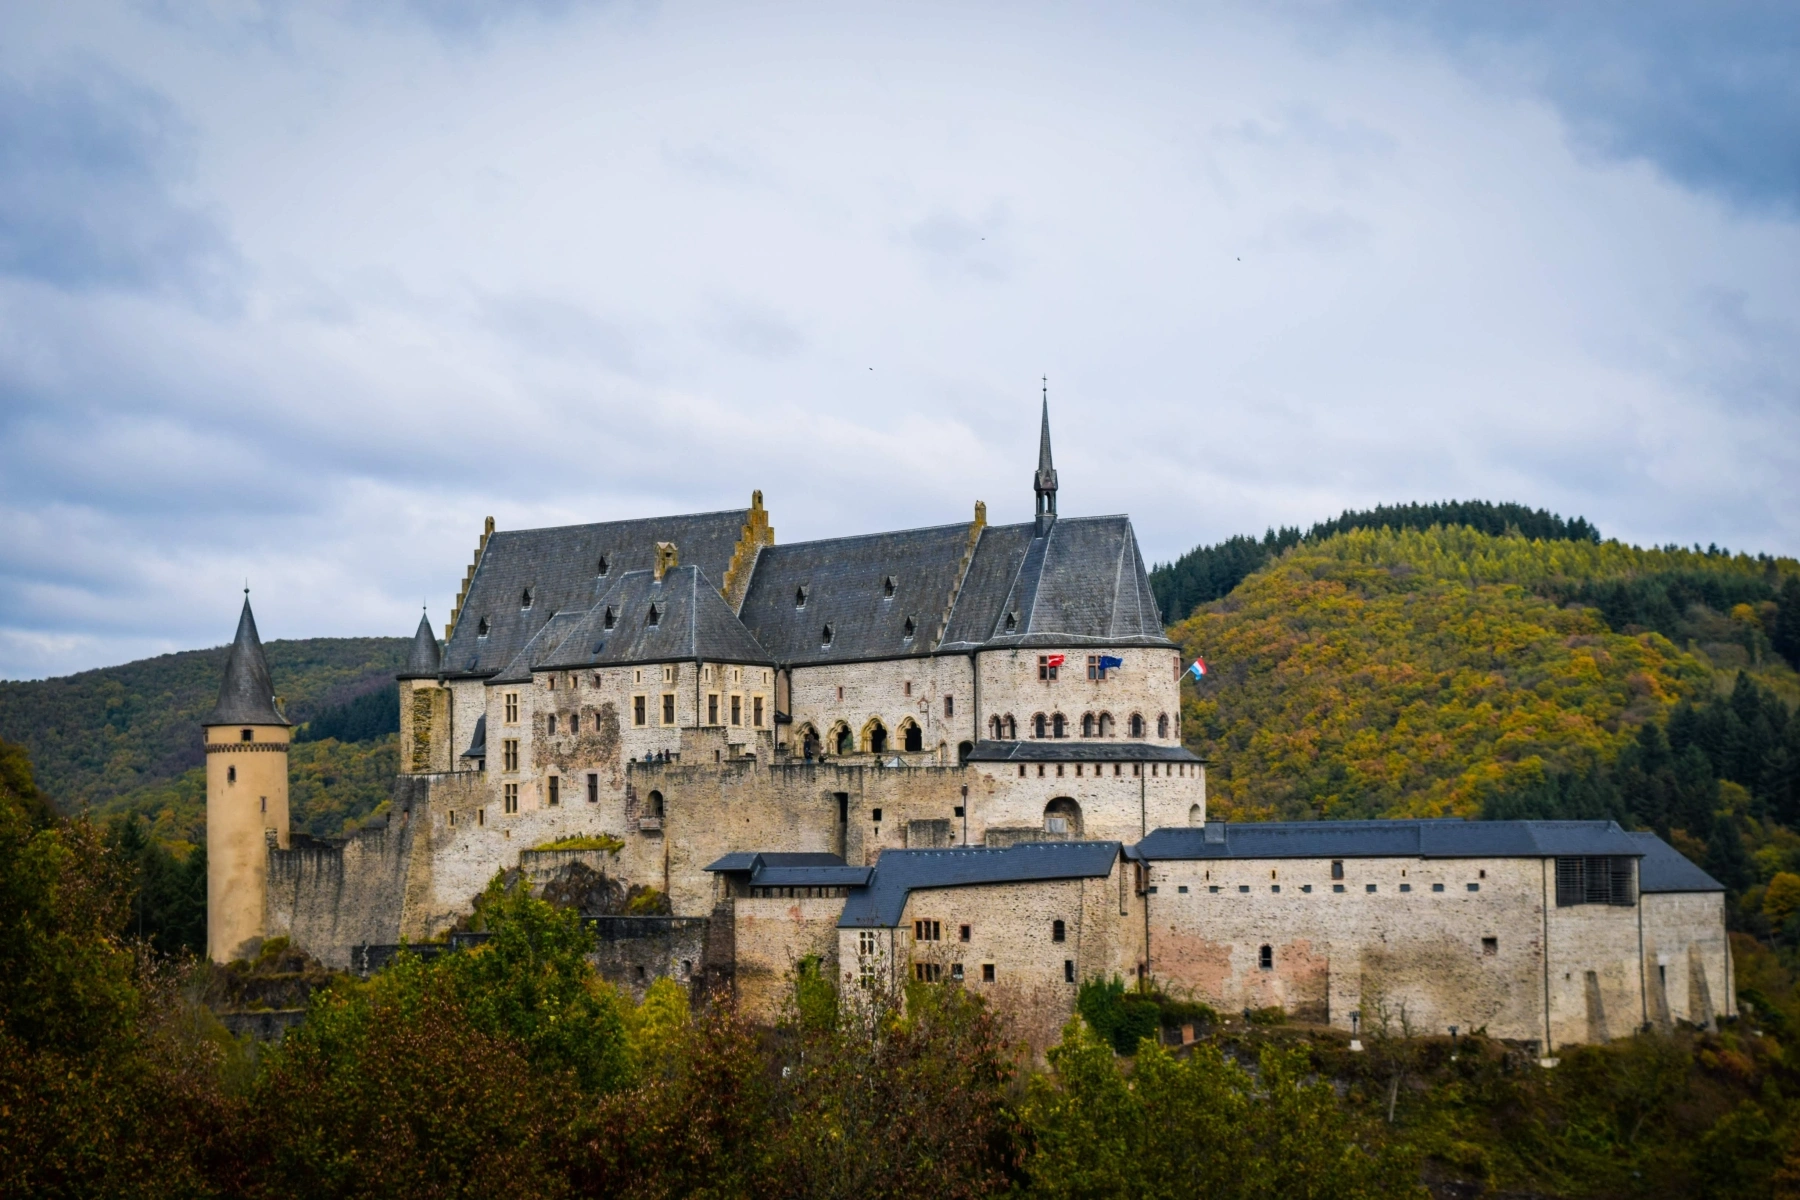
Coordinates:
x,y
1391,673
134,730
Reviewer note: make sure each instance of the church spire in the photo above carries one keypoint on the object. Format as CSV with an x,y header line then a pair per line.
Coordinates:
x,y
1044,482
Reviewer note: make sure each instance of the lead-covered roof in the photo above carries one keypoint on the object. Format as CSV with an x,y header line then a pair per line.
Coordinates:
x,y
560,567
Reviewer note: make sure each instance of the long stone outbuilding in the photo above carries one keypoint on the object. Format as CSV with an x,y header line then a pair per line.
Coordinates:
x,y
950,755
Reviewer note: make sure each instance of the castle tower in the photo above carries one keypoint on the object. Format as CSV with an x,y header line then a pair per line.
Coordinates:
x,y
1044,482
246,795
425,732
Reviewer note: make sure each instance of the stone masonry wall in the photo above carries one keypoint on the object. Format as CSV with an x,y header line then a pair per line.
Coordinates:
x,y
1147,684
1687,958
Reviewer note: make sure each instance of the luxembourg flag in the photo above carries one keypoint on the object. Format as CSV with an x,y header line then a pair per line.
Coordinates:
x,y
1198,670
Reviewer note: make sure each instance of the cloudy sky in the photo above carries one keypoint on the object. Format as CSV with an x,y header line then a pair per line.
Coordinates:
x,y
302,292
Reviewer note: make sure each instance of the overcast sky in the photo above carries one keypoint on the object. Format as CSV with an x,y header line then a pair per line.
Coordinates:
x,y
301,293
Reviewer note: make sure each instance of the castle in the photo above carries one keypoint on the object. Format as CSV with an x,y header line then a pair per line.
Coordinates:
x,y
949,754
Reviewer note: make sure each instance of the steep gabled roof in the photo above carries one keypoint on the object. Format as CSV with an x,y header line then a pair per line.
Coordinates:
x,y
424,656
693,622
1449,837
1082,583
846,583
560,566
246,696
899,873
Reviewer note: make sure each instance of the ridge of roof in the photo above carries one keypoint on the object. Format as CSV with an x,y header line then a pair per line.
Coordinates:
x,y
1445,837
1665,869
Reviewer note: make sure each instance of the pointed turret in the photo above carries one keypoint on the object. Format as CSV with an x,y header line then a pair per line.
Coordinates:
x,y
246,697
1044,482
423,659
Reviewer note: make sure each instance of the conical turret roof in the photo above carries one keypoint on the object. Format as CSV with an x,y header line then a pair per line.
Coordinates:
x,y
423,659
246,697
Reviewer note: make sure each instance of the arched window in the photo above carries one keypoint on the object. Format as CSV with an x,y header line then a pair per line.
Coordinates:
x,y
1063,816
1195,816
1087,725
1040,726
1106,725
653,805
1162,725
1137,725
998,730
525,598
963,750
844,743
1012,729
912,737
1057,726
481,627
875,737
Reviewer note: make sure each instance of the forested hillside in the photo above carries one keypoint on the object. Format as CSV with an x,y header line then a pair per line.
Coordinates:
x,y
99,735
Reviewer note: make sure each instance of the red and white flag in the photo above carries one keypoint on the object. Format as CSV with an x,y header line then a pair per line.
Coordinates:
x,y
1055,660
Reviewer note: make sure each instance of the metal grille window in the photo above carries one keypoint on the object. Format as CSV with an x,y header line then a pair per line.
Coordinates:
x,y
1596,879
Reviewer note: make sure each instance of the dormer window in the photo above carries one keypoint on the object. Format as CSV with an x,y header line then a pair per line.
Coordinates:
x,y
602,568
887,588
908,629
525,598
609,618
800,597
481,627
825,636
655,616
1012,622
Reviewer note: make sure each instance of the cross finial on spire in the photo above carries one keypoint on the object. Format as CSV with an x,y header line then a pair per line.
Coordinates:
x,y
1044,482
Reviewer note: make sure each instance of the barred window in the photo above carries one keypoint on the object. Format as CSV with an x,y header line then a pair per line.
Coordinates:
x,y
1596,879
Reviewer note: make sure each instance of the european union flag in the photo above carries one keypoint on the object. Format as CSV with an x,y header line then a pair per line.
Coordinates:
x,y
1108,662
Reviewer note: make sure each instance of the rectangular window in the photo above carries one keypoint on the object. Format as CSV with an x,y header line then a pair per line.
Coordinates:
x,y
865,943
949,706
928,972
712,708
669,674
926,931
1094,671
1598,879
1368,887
555,796
668,708
956,972
756,711
510,798
1058,931
962,933
1045,670
1337,868
593,789
509,754
481,816
987,972
550,723
737,710
512,708
453,818
906,688
1490,947
637,710
1068,970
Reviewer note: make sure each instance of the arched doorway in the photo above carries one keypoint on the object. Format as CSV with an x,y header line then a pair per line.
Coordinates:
x,y
805,740
911,736
841,741
963,750
875,737
1195,816
1062,818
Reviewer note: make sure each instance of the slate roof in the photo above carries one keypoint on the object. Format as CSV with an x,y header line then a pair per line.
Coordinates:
x,y
750,860
423,658
1062,750
1666,869
771,869
560,565
1445,838
846,588
536,651
478,743
899,873
692,622
1082,584
246,697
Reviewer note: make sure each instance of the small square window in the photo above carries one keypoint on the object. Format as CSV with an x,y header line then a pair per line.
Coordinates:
x,y
1490,947
1212,887
957,811
1437,887
1368,887
875,815
1337,887
962,933
1337,868
1474,887
956,972
1275,887
1406,887
1243,887
1306,887
1182,890
987,972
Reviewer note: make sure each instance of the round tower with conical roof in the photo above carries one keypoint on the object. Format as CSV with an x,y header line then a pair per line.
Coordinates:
x,y
246,795
425,732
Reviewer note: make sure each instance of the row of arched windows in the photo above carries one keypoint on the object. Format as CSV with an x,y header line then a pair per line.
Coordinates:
x,y
873,739
1093,725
